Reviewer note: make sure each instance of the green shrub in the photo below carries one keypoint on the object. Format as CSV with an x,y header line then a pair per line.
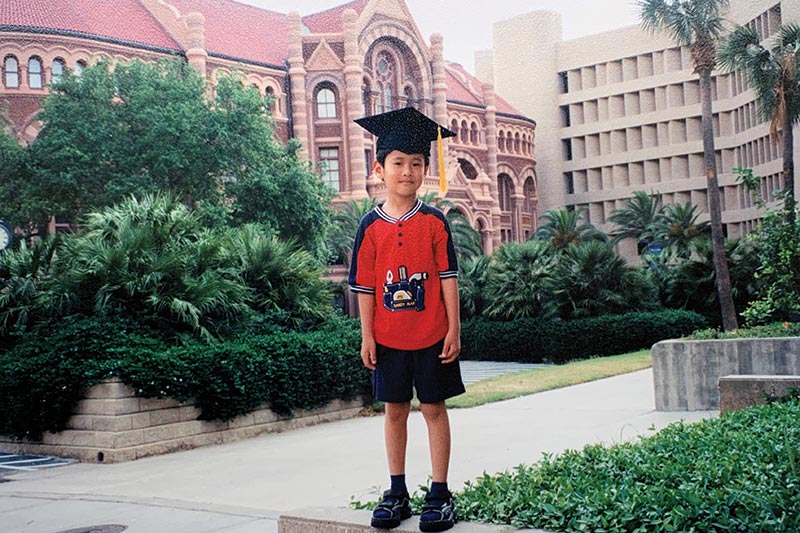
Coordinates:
x,y
44,375
557,341
777,329
740,472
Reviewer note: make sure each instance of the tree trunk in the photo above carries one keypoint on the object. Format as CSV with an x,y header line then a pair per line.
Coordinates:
x,y
788,169
724,293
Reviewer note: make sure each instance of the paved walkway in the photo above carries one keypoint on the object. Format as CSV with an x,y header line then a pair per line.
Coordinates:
x,y
243,487
472,371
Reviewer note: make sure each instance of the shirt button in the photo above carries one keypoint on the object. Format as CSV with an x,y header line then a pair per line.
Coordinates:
x,y
399,244
400,234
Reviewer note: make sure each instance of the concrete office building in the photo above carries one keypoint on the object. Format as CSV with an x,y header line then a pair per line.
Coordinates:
x,y
619,111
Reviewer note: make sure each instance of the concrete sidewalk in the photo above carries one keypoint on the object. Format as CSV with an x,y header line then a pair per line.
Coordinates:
x,y
244,486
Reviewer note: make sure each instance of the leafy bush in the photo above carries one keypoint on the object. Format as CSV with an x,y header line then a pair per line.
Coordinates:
x,y
151,260
737,473
777,329
44,375
519,281
592,280
690,283
557,341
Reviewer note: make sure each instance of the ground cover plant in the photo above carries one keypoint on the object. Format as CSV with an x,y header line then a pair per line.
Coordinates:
x,y
740,472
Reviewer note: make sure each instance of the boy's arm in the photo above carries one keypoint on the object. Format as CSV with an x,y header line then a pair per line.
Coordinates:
x,y
366,310
452,342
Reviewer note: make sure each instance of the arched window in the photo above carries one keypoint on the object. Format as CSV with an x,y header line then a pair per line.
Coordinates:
x,y
454,126
58,69
517,144
79,66
529,191
11,72
35,80
473,133
269,93
386,73
501,141
326,102
464,132
504,188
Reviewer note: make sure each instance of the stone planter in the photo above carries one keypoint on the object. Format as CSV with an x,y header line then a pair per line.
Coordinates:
x,y
111,424
686,373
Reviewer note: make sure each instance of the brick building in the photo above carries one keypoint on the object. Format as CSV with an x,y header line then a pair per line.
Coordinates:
x,y
323,69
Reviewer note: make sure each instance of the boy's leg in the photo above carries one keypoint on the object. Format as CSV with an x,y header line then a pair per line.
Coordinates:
x,y
438,423
395,505
396,435
438,512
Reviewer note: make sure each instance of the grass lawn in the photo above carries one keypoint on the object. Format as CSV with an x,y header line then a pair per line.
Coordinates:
x,y
527,382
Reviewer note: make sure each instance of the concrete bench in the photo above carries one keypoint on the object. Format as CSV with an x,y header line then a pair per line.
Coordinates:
x,y
744,390
339,520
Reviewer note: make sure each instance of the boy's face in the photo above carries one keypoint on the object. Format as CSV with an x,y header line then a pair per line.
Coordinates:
x,y
402,173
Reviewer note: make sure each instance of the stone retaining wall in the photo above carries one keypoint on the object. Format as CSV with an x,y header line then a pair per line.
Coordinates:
x,y
738,392
111,424
686,373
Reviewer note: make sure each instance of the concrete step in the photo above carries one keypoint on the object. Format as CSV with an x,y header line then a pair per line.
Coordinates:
x,y
340,520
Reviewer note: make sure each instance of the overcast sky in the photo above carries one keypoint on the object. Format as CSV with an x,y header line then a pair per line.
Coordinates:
x,y
467,24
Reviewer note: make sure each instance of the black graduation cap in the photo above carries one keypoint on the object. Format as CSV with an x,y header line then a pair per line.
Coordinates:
x,y
406,130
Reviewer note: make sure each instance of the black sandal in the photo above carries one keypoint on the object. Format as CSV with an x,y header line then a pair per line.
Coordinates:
x,y
393,509
438,513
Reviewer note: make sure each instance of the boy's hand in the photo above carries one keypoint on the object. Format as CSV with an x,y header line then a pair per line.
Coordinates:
x,y
368,353
452,347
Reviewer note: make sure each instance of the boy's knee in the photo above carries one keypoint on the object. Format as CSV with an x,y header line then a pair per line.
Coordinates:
x,y
433,411
397,411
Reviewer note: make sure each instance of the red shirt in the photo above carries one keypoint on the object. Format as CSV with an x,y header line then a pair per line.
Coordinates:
x,y
402,262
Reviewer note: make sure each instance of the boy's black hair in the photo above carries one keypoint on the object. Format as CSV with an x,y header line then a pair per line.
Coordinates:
x,y
380,157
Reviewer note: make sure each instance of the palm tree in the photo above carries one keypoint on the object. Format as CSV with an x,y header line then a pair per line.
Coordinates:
x,y
592,280
698,25
343,229
774,76
563,227
637,219
519,281
472,285
678,225
467,239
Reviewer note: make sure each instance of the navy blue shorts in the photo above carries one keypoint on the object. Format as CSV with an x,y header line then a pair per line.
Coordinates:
x,y
398,371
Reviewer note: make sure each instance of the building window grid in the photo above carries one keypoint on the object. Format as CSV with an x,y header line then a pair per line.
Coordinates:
x,y
326,102
57,69
11,72
329,167
35,74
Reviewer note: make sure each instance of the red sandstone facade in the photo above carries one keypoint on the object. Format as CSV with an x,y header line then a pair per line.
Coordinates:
x,y
324,70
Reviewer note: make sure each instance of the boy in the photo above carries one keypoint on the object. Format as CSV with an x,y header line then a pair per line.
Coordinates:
x,y
404,271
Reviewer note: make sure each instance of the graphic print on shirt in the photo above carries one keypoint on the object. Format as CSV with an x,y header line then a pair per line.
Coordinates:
x,y
407,294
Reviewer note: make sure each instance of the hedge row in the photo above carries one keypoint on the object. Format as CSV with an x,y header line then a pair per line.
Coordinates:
x,y
43,377
533,340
